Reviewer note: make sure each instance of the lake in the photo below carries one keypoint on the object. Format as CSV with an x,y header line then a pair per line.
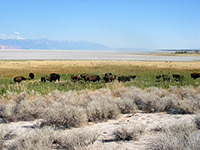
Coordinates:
x,y
87,55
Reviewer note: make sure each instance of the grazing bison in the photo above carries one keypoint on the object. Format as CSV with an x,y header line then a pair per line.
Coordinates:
x,y
177,77
94,78
109,78
75,77
124,78
85,76
158,76
31,75
132,77
54,77
107,74
195,75
19,79
45,78
164,77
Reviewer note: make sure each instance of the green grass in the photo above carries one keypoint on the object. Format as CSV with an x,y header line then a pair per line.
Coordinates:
x,y
145,78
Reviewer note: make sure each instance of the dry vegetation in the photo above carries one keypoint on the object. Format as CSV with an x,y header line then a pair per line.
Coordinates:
x,y
48,139
73,109
67,105
179,137
127,133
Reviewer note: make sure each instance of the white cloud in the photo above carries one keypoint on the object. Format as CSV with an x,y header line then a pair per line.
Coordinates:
x,y
16,33
17,37
2,35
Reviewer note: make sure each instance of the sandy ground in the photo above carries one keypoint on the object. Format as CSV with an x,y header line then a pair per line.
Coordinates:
x,y
152,121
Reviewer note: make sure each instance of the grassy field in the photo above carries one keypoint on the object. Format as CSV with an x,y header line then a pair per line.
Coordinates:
x,y
144,70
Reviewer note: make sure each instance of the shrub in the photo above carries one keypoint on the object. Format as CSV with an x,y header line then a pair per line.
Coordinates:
x,y
38,139
126,105
127,133
75,138
64,116
179,137
29,109
99,110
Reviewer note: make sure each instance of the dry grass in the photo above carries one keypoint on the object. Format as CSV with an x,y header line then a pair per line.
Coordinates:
x,y
177,137
64,116
10,68
75,139
102,109
127,133
74,109
48,139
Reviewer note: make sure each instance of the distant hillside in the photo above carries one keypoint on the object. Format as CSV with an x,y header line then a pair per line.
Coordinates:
x,y
49,44
7,47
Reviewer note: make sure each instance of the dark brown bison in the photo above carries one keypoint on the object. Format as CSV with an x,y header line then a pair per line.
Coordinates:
x,y
52,77
164,77
19,79
158,76
132,77
94,78
107,74
75,77
177,77
124,78
31,75
85,76
109,78
45,78
195,75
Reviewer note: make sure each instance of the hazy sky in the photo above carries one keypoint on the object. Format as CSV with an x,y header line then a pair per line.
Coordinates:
x,y
114,23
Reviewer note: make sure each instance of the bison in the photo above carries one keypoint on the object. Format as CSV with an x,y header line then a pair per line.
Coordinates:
x,y
164,77
177,77
195,75
124,78
132,77
75,77
109,78
158,76
31,75
45,78
107,74
19,79
85,76
52,77
93,78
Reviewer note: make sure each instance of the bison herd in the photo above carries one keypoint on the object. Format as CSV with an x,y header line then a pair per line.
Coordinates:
x,y
51,77
18,79
108,77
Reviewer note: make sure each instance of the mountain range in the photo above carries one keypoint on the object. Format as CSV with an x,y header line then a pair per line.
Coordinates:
x,y
46,44
50,45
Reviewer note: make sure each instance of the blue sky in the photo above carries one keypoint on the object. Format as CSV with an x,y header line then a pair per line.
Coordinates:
x,y
114,23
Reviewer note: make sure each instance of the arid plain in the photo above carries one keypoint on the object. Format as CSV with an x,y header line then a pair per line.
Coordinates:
x,y
141,114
